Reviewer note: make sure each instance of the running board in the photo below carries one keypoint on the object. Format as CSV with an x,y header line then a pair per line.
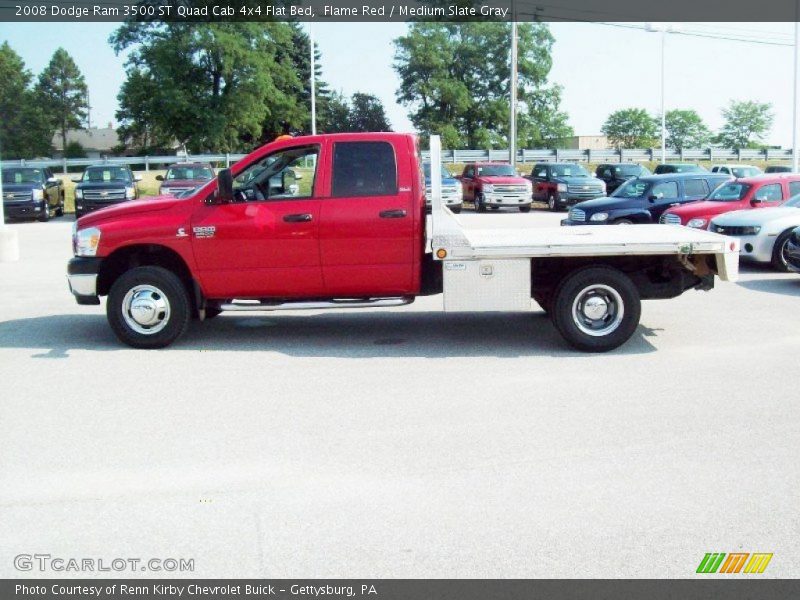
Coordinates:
x,y
244,305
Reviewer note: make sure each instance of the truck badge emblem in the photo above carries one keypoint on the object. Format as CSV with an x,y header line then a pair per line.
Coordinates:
x,y
104,194
181,232
204,232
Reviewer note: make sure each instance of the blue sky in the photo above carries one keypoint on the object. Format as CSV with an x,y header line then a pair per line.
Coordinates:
x,y
601,68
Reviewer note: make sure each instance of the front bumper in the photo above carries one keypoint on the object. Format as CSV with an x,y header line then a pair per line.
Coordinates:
x,y
86,206
82,273
793,255
24,210
568,223
500,199
756,247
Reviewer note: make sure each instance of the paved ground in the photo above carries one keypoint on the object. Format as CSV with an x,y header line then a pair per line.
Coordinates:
x,y
400,443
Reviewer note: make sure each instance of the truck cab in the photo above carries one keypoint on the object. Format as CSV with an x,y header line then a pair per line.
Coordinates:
x,y
32,192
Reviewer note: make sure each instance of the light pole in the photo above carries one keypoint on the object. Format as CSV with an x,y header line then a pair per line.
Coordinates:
x,y
313,82
9,244
512,129
663,28
796,93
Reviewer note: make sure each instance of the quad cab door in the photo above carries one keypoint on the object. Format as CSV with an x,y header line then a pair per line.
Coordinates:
x,y
370,224
264,243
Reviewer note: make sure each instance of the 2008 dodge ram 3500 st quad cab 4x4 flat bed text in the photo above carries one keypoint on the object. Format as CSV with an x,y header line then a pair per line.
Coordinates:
x,y
339,221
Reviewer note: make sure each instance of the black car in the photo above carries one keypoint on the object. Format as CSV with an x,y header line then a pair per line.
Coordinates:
x,y
32,192
104,185
642,200
666,168
793,251
778,169
615,174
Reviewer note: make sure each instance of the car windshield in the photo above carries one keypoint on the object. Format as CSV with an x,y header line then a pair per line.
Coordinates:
x,y
203,173
497,171
426,167
635,188
730,192
793,202
627,170
22,175
745,171
101,174
569,171
677,169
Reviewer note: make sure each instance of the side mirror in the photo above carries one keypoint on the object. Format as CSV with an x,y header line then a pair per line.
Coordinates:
x,y
159,178
224,186
52,180
137,178
76,180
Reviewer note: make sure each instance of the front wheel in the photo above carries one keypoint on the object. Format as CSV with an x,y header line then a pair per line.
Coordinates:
x,y
456,210
45,216
551,202
525,209
779,252
596,309
480,206
60,207
148,307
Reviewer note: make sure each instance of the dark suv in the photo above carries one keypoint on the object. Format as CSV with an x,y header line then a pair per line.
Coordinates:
x,y
615,174
32,192
665,168
104,185
563,184
642,200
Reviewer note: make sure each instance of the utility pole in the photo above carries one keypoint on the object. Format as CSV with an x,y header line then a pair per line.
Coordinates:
x,y
313,82
662,28
512,129
796,92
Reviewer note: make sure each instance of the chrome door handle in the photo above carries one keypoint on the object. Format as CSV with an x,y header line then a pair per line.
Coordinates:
x,y
396,213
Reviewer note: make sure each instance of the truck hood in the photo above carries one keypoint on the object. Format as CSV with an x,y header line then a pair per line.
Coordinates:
x,y
103,185
21,187
503,180
758,217
609,203
590,181
184,183
703,208
126,209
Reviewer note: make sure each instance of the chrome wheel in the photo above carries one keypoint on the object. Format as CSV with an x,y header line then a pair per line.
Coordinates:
x,y
598,310
146,309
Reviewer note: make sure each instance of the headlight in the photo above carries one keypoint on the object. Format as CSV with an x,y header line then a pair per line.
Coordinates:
x,y
86,241
529,186
561,187
38,195
79,194
130,192
697,223
601,216
749,230
488,188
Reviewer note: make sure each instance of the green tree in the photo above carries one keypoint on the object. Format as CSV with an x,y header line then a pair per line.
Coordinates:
x,y
746,123
62,92
685,129
547,126
74,150
367,114
138,103
24,130
336,118
630,128
454,77
215,86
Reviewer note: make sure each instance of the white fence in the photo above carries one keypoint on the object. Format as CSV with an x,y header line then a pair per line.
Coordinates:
x,y
451,156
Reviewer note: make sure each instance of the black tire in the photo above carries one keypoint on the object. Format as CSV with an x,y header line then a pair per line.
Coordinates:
x,y
779,252
456,210
168,287
617,294
623,222
525,209
552,204
45,216
60,207
78,214
479,205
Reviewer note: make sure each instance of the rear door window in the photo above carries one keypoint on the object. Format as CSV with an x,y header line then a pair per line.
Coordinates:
x,y
770,193
364,169
667,190
794,188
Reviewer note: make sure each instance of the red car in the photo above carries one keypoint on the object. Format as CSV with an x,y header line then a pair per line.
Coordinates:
x,y
496,185
185,177
760,191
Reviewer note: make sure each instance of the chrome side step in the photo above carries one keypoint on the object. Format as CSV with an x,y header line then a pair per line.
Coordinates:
x,y
244,305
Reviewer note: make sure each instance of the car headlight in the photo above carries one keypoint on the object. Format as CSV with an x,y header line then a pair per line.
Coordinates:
x,y
697,223
79,194
561,187
37,195
750,230
529,186
601,216
86,241
130,192
488,188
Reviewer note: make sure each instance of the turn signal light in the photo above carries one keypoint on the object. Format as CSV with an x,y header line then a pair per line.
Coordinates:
x,y
441,253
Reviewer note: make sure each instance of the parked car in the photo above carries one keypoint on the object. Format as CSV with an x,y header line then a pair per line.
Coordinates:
x,y
793,251
737,170
452,193
181,178
740,194
778,169
357,238
495,185
563,184
32,192
104,185
666,168
764,234
644,199
615,174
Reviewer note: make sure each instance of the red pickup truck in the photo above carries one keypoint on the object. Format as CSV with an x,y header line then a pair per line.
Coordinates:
x,y
496,185
339,221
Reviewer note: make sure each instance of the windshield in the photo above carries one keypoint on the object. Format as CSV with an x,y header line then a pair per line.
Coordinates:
x,y
745,171
101,174
628,170
426,167
497,171
635,188
22,175
793,202
569,171
189,173
730,192
677,169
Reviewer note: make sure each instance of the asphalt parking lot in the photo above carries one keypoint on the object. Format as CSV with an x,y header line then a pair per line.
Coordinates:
x,y
400,442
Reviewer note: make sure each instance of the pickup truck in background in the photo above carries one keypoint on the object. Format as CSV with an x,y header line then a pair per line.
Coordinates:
x,y
182,178
32,192
616,174
562,185
452,193
101,186
356,234
495,185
